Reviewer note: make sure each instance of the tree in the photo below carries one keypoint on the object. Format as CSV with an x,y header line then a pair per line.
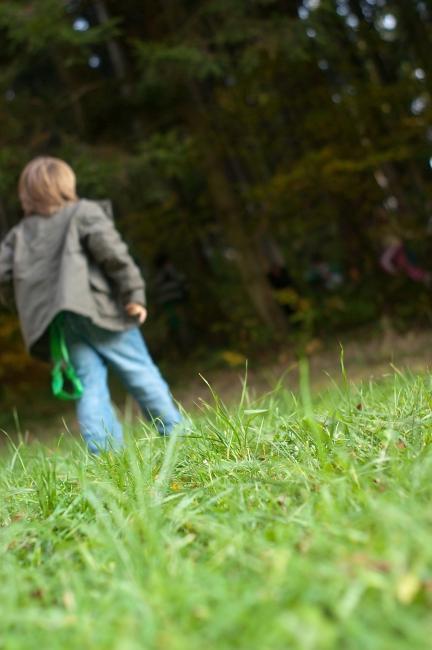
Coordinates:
x,y
211,122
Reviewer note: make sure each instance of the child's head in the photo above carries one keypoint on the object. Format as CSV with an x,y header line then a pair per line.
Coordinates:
x,y
46,185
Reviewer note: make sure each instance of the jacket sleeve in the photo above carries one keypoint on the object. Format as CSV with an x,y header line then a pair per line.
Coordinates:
x,y
103,243
6,267
6,258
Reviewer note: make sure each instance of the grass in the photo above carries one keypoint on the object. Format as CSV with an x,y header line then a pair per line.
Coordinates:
x,y
284,523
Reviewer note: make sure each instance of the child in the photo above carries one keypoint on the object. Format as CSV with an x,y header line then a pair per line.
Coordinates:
x,y
66,256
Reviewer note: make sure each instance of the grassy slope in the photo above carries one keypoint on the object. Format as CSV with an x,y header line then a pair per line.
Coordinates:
x,y
267,530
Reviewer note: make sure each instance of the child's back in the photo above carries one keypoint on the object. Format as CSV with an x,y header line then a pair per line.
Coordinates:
x,y
73,261
68,258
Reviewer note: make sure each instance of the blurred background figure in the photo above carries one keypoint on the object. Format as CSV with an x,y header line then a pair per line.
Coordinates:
x,y
322,275
171,296
285,291
396,259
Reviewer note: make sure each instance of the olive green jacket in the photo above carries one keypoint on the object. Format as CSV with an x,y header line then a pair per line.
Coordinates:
x,y
74,260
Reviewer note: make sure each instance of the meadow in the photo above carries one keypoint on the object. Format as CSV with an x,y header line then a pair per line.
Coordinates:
x,y
290,521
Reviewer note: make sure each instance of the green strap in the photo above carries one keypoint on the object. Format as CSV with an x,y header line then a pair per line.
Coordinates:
x,y
63,371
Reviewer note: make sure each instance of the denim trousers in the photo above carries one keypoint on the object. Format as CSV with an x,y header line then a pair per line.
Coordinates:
x,y
92,351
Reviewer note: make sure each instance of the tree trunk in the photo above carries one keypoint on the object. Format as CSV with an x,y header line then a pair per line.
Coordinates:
x,y
418,37
379,73
116,54
248,258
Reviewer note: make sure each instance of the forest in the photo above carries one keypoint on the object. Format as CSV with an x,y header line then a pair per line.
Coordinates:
x,y
269,164
273,156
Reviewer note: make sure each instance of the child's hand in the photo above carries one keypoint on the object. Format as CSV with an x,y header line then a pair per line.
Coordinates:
x,y
136,311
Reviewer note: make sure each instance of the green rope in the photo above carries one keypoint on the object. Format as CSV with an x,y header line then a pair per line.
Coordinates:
x,y
63,372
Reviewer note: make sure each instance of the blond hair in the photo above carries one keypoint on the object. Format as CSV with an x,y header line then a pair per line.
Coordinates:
x,y
46,184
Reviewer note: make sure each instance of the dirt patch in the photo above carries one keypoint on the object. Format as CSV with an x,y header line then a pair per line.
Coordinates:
x,y
365,356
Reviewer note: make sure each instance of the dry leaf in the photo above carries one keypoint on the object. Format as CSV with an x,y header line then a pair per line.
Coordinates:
x,y
69,601
407,588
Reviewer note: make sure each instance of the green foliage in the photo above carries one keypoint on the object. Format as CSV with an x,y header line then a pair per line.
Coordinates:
x,y
190,62
213,125
38,27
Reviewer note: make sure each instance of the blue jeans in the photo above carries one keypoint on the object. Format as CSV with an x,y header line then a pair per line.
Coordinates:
x,y
92,350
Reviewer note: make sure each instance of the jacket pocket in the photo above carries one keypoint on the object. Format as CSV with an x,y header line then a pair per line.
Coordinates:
x,y
103,295
99,282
